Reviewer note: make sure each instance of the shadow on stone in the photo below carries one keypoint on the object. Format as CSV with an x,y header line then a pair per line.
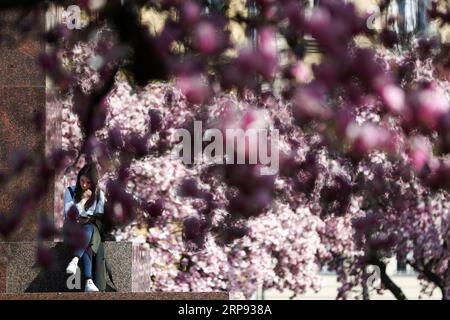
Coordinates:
x,y
55,278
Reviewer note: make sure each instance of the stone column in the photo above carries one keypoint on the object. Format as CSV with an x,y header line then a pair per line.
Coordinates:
x,y
22,96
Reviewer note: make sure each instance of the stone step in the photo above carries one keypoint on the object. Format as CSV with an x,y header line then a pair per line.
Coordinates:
x,y
117,296
129,263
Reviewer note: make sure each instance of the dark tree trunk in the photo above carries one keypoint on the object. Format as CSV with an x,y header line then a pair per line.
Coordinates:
x,y
387,281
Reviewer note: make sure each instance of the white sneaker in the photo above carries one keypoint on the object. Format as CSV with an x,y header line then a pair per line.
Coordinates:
x,y
73,265
90,286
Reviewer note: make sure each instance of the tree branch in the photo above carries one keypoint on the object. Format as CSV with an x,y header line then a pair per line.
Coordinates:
x,y
386,280
430,275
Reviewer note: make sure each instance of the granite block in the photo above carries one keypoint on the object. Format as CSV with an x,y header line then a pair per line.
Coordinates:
x,y
53,140
119,256
23,276
22,183
27,227
17,108
23,280
22,95
19,53
3,266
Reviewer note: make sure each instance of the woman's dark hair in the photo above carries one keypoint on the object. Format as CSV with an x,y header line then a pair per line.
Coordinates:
x,y
89,170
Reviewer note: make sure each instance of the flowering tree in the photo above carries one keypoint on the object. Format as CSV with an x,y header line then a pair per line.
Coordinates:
x,y
364,171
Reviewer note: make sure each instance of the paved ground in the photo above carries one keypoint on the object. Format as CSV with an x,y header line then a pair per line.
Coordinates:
x,y
409,284
117,296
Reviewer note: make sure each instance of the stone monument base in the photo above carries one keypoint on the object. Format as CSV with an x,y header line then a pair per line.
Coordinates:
x,y
129,263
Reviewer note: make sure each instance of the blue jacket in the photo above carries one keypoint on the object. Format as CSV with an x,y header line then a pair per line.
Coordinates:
x,y
94,209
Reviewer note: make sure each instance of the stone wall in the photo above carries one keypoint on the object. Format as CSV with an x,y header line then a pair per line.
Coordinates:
x,y
22,97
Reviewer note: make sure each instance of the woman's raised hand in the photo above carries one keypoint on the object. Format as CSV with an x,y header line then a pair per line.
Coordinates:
x,y
87,194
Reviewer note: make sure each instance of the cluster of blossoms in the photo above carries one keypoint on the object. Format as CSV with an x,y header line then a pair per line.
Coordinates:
x,y
364,170
315,240
243,266
318,205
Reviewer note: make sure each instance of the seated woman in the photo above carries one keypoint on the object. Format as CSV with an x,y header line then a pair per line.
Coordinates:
x,y
89,202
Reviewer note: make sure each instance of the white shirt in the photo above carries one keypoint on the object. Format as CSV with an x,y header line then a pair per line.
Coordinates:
x,y
94,209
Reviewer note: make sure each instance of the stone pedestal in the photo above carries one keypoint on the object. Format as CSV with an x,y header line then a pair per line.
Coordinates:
x,y
130,265
20,274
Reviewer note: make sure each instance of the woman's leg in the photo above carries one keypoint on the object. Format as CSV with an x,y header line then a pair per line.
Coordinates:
x,y
88,231
82,253
87,265
86,260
